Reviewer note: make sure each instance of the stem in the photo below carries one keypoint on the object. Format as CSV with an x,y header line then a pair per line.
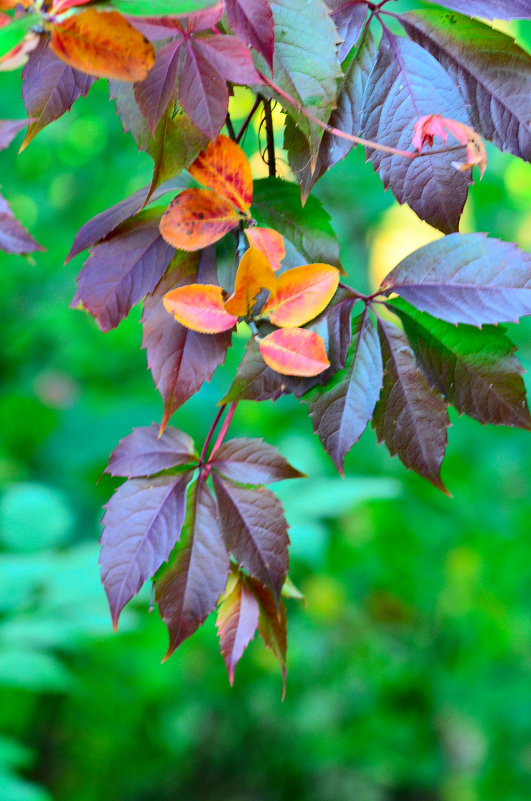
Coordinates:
x,y
248,120
230,128
210,435
270,133
221,436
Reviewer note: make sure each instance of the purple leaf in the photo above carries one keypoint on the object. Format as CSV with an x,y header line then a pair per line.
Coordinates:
x,y
202,91
237,621
255,531
142,523
230,57
195,578
476,371
405,84
154,93
13,236
492,72
491,9
205,18
49,88
466,278
252,461
272,623
342,408
8,130
122,270
349,18
180,360
410,417
252,21
254,379
157,28
144,452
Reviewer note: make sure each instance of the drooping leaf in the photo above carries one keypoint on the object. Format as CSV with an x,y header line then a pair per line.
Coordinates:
x,y
180,360
294,351
268,242
302,293
349,17
237,621
342,408
122,270
49,88
154,93
466,278
200,307
410,417
13,34
202,91
405,84
13,236
493,73
224,167
144,452
272,624
254,379
491,9
8,131
476,371
252,461
255,531
142,523
197,218
254,274
252,21
189,588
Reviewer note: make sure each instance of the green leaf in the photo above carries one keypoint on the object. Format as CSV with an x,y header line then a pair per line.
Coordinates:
x,y
159,8
475,370
12,35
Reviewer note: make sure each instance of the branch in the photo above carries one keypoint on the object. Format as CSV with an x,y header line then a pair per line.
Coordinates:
x,y
270,134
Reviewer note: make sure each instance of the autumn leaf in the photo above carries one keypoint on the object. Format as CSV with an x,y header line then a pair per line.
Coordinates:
x,y
254,274
197,218
224,167
269,242
237,621
434,125
302,294
103,44
294,351
200,307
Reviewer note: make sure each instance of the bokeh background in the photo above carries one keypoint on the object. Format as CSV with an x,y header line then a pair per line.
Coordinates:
x,y
409,669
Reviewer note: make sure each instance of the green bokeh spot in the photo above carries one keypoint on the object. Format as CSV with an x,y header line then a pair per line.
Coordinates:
x,y
33,517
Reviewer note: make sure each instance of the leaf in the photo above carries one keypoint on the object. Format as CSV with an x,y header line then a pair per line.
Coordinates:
x,y
237,621
224,167
254,379
200,307
154,93
491,9
476,371
294,351
302,293
122,270
180,360
49,88
268,242
13,236
255,531
410,417
349,18
8,131
277,204
466,278
142,523
254,274
231,58
305,63
252,461
144,453
13,34
405,84
202,91
272,624
342,408
197,218
492,73
197,574
252,22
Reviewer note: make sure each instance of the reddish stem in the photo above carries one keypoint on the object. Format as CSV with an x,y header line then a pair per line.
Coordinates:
x,y
210,435
221,436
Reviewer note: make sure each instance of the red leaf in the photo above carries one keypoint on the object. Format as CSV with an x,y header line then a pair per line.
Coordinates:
x,y
254,274
200,307
197,218
144,452
268,242
190,586
252,21
205,18
294,351
252,461
237,621
302,293
434,125
224,167
231,58
154,93
202,92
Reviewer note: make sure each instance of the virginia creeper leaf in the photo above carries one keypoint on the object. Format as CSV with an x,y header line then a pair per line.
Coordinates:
x,y
197,574
492,72
254,379
237,621
476,371
491,9
144,452
224,167
272,624
349,17
410,417
154,93
268,242
142,523
200,307
252,461
466,278
342,408
13,236
255,531
254,274
231,58
405,84
8,131
302,293
294,351
122,270
197,218
202,91
252,22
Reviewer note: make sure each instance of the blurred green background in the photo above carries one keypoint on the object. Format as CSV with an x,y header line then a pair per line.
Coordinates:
x,y
408,672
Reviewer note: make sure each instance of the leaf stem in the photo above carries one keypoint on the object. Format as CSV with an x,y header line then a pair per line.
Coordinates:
x,y
210,435
248,119
224,428
270,134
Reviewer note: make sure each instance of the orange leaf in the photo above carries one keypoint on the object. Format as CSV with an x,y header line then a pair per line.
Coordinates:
x,y
269,242
224,167
254,274
294,351
199,307
302,294
197,218
103,44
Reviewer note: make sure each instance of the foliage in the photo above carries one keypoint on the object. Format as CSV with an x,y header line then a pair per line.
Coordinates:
x,y
199,523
